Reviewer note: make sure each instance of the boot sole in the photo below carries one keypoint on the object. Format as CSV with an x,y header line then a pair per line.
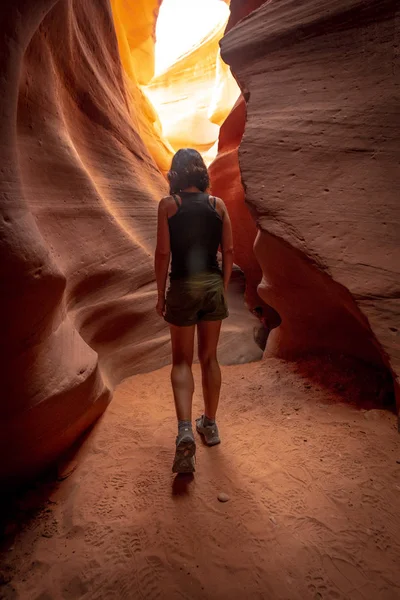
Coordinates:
x,y
184,461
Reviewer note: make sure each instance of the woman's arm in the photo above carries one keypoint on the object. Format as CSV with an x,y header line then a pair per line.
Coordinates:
x,y
226,245
162,256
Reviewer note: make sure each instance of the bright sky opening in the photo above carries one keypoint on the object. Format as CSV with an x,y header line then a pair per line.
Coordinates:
x,y
182,24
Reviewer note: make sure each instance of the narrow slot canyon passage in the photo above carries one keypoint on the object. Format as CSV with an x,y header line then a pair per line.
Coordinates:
x,y
301,500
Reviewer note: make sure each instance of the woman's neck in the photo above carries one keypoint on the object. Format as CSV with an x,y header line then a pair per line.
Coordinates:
x,y
192,188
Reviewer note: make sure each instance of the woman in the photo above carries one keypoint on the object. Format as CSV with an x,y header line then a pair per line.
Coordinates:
x,y
192,225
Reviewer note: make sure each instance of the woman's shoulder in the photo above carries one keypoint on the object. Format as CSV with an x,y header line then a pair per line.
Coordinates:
x,y
165,200
169,205
219,205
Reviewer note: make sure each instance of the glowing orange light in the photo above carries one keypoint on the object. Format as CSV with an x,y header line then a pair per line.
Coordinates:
x,y
192,90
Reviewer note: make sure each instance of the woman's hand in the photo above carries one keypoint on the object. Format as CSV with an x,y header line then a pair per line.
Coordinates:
x,y
162,255
160,308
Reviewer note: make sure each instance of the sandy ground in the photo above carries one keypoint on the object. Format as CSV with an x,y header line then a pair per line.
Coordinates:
x,y
314,509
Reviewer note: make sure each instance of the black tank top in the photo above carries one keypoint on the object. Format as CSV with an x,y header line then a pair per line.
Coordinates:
x,y
195,234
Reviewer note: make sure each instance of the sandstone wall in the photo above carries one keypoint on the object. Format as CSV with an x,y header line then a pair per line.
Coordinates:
x,y
226,183
226,180
320,163
79,195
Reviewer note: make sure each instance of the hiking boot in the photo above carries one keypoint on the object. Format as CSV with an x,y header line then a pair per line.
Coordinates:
x,y
210,433
184,461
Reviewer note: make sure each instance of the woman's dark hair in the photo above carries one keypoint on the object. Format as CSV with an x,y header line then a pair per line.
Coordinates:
x,y
187,169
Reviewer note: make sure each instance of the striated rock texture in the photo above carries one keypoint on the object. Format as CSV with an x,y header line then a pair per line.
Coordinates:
x,y
226,180
79,197
320,163
239,9
74,254
79,188
226,183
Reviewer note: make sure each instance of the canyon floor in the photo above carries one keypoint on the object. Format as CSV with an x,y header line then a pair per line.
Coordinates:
x,y
314,508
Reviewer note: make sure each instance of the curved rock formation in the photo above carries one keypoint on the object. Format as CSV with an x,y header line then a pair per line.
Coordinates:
x,y
79,195
319,161
240,9
226,181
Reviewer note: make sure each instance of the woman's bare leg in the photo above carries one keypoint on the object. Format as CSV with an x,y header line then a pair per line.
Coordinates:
x,y
208,336
182,339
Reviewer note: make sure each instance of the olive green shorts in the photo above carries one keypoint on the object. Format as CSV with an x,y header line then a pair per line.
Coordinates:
x,y
198,298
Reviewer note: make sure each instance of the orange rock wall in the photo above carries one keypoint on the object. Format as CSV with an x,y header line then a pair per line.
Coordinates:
x,y
226,183
319,161
79,195
226,179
